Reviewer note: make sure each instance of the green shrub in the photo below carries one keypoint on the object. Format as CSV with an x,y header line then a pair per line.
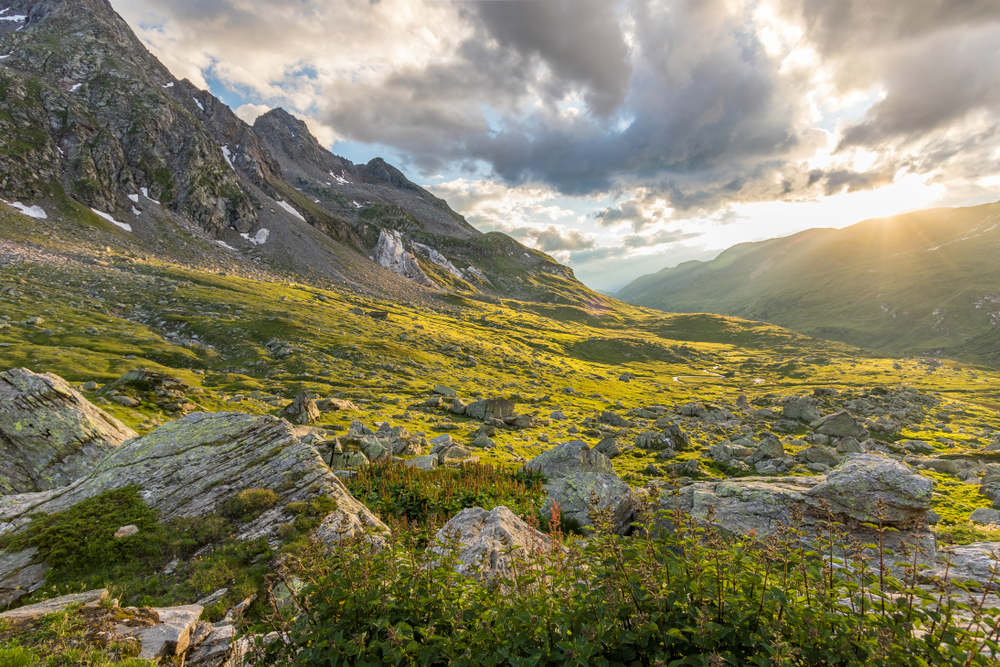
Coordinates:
x,y
691,597
429,498
80,540
249,504
17,656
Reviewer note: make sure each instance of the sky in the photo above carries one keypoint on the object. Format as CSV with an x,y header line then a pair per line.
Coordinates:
x,y
623,137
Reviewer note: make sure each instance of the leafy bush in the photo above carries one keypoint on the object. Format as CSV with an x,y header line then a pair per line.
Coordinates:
x,y
693,596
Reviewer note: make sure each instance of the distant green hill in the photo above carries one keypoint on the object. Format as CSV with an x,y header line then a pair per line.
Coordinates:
x,y
921,283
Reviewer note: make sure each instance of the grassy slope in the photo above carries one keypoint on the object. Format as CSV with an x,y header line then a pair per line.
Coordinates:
x,y
212,330
908,285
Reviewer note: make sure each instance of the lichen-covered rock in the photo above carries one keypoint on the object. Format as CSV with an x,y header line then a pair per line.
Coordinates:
x,y
50,434
490,544
574,492
570,457
856,487
192,467
760,506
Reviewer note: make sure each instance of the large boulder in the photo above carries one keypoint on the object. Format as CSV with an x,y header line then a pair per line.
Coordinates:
x,y
841,425
570,457
761,506
50,434
194,466
490,544
859,484
574,492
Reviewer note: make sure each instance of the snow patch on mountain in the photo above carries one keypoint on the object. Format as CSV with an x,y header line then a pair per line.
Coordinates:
x,y
288,207
36,212
124,225
259,238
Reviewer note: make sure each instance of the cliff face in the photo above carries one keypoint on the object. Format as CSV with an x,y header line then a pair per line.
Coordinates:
x,y
83,103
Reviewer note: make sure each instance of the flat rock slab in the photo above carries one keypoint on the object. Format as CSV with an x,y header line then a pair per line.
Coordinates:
x,y
193,466
215,649
972,563
55,605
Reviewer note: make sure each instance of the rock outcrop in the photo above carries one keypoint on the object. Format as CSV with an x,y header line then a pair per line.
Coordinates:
x,y
568,458
851,495
391,254
302,410
50,434
194,466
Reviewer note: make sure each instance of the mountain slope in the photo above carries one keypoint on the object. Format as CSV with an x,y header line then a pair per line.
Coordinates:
x,y
93,127
925,282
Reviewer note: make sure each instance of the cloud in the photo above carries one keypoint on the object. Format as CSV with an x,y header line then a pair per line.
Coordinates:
x,y
580,41
552,239
661,237
250,112
567,121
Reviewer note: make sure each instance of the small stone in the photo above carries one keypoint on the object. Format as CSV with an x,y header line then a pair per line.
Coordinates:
x,y
126,531
125,401
445,391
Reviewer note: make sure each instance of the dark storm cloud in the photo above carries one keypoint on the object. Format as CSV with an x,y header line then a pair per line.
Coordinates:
x,y
580,40
696,98
679,98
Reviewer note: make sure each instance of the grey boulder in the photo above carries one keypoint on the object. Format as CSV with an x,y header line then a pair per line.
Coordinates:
x,y
192,467
859,484
570,457
573,493
841,425
489,545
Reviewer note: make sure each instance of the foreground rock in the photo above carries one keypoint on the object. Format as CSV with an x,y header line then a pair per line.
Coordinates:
x,y
490,544
164,634
20,575
192,467
851,494
858,487
50,434
972,563
575,494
